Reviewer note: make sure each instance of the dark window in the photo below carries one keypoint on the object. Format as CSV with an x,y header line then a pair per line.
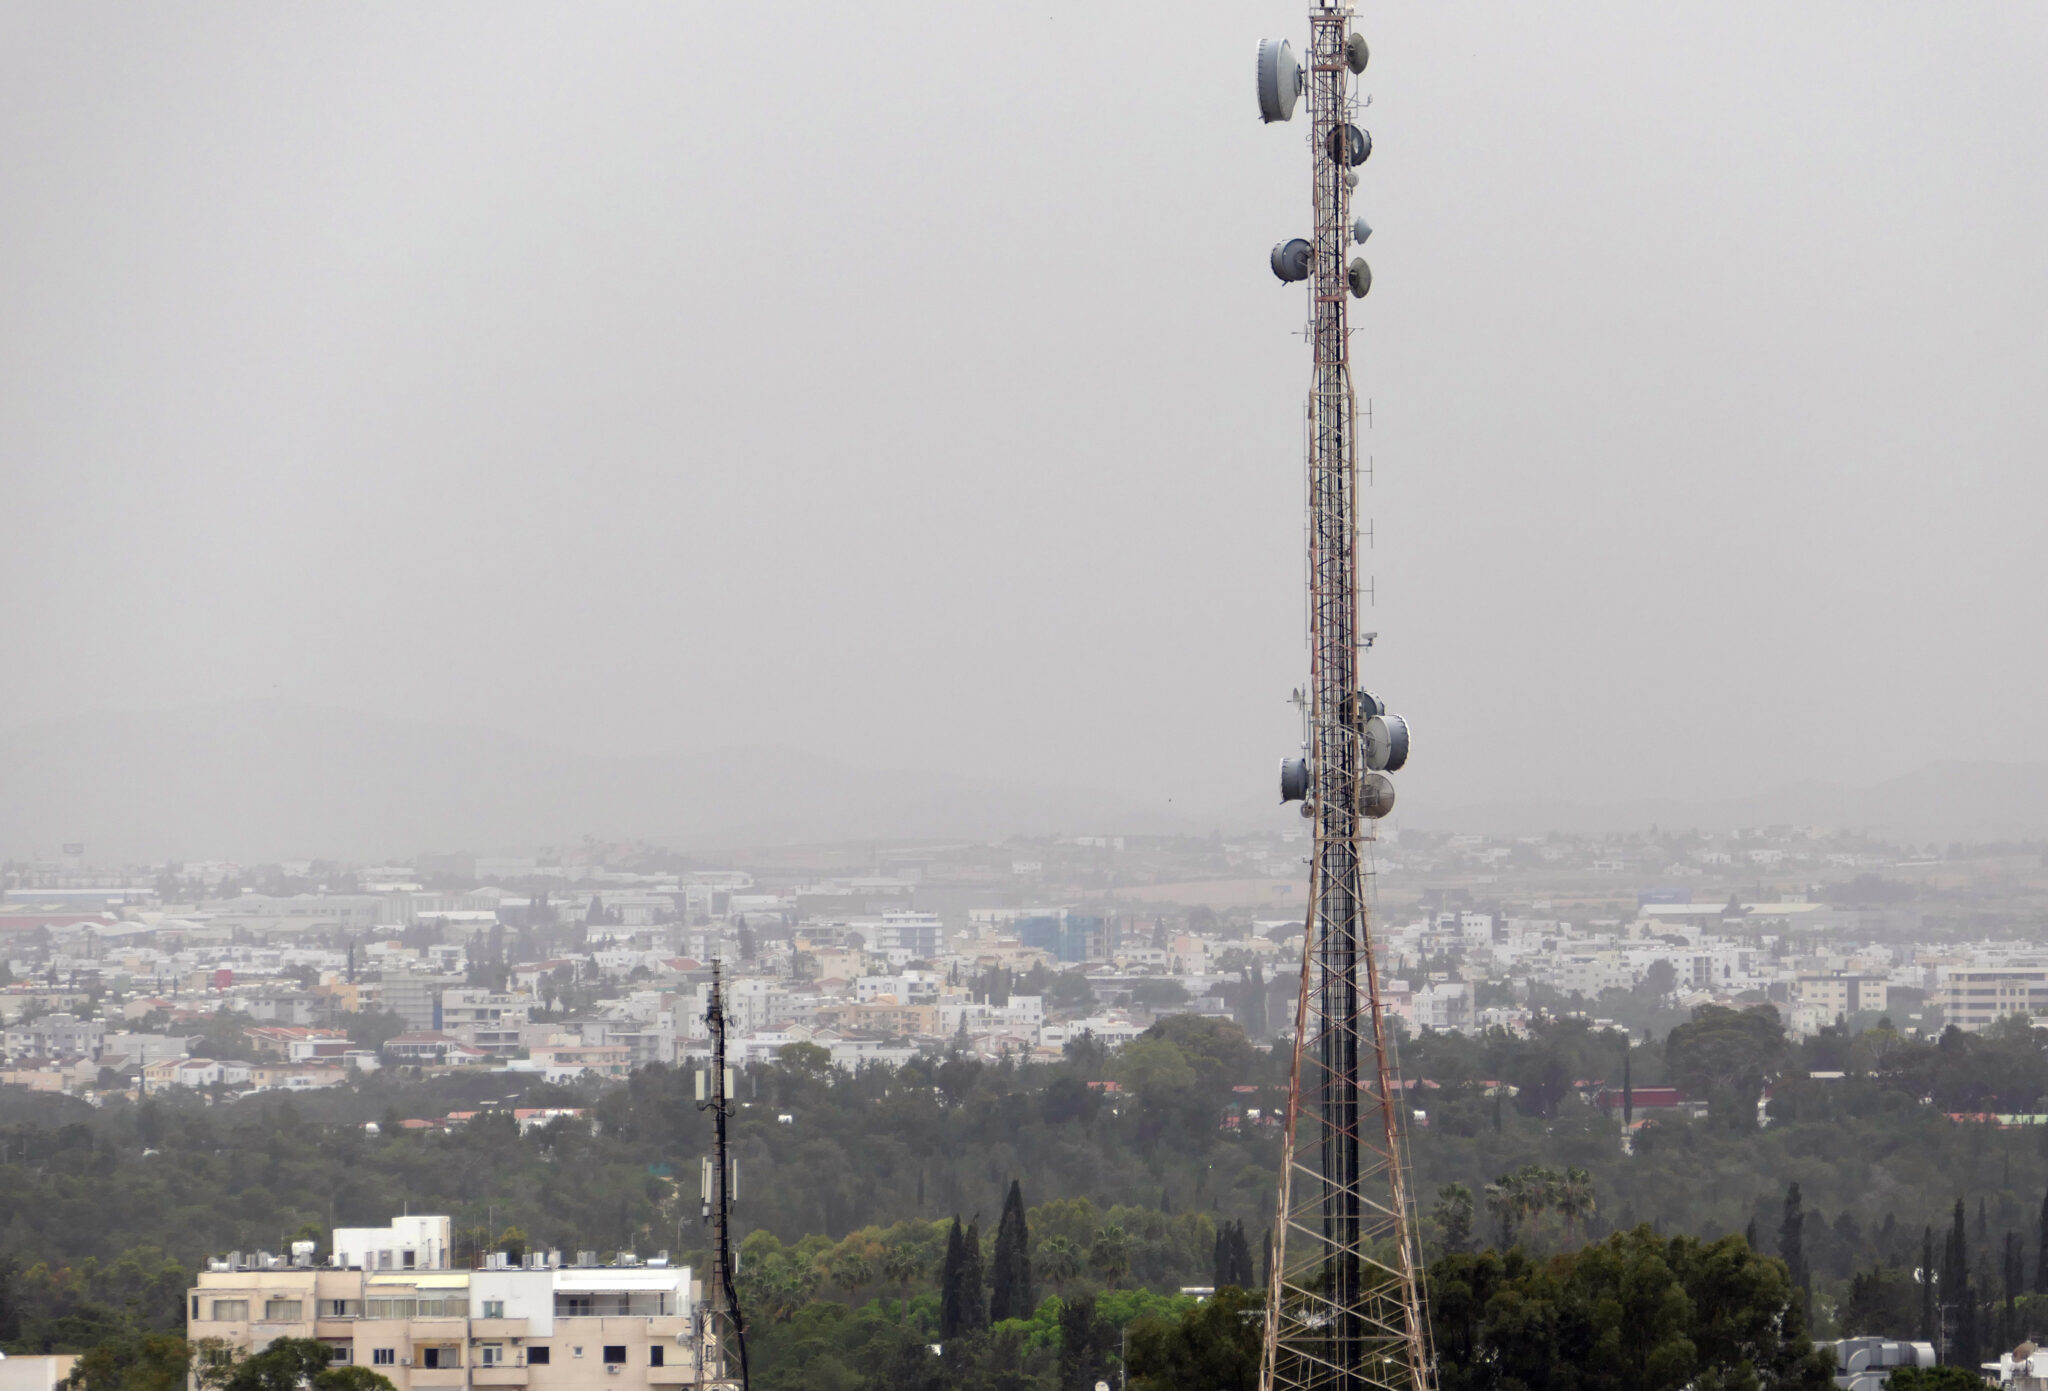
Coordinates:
x,y
654,1355
537,1357
614,1352
383,1357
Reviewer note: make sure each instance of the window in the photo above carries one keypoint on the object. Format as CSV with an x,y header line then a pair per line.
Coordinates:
x,y
575,1352
574,1306
384,1357
408,1259
537,1356
282,1310
341,1308
494,1308
654,1352
614,1354
440,1356
490,1354
230,1310
339,1352
195,1308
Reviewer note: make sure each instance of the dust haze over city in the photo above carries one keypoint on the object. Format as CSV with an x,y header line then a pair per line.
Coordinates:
x,y
501,491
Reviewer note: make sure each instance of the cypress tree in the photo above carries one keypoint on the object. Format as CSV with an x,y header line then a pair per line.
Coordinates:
x,y
1791,1246
1958,1300
1241,1257
1223,1264
1255,1002
1266,1262
1628,1090
973,1307
2041,1264
1010,1269
2015,1279
952,1314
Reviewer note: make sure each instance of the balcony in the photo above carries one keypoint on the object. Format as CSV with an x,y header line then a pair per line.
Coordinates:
x,y
504,1374
677,1373
499,1328
419,1376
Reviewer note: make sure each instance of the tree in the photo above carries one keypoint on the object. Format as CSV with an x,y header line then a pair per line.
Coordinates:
x,y
1882,1300
1791,1239
1010,1294
1957,1297
1573,1195
1085,1338
288,1364
2041,1261
1453,1214
953,1297
152,1362
902,1263
1724,1055
1110,1254
1215,1345
351,1377
853,1272
973,1279
1233,1258
1632,1313
1060,1261
1934,1379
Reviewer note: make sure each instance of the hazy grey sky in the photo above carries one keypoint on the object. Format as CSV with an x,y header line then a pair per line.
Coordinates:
x,y
906,382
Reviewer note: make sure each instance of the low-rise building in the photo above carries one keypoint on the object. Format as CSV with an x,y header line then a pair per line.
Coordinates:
x,y
389,1299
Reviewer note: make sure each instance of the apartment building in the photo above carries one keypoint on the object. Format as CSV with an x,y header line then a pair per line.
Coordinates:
x,y
388,1299
1975,997
1819,1001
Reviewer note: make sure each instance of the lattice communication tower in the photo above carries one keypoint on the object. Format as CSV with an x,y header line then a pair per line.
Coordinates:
x,y
722,1334
1344,1309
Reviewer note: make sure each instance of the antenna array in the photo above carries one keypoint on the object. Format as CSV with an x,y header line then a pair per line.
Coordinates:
x,y
1343,1310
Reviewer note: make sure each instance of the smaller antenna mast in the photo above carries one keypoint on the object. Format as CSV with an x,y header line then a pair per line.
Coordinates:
x,y
723,1317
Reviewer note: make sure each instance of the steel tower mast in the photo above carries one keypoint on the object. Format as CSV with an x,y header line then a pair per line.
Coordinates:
x,y
1343,1309
723,1336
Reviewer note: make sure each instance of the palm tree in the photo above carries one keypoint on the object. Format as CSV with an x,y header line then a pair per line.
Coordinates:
x,y
1505,1203
1059,1261
1110,1254
1575,1199
853,1271
901,1264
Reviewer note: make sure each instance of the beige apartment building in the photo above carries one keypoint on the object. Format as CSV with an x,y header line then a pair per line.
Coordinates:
x,y
389,1300
1819,1001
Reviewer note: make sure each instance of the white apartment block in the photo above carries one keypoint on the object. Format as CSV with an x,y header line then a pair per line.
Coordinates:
x,y
389,1300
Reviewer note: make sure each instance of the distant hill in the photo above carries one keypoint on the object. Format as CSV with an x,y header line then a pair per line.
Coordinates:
x,y
1937,803
274,779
